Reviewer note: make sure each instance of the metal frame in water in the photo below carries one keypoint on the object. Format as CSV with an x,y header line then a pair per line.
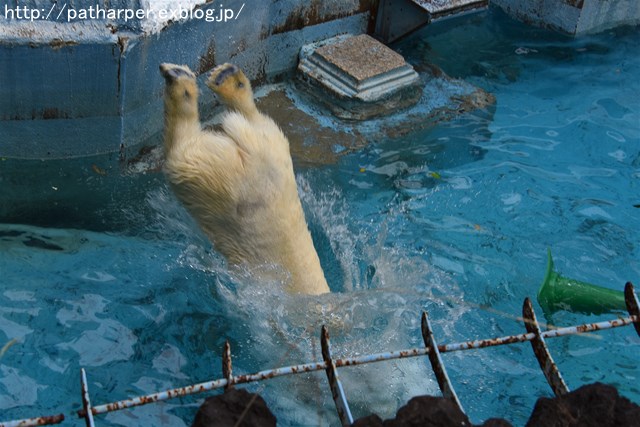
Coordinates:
x,y
431,349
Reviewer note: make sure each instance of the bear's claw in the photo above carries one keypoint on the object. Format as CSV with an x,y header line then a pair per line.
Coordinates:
x,y
171,71
221,73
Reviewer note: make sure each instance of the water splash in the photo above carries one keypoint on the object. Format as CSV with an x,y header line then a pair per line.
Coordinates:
x,y
379,292
382,292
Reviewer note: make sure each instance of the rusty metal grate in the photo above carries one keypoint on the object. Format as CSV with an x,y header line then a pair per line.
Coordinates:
x,y
431,349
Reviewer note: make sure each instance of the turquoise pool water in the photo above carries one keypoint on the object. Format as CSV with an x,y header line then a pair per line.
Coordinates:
x,y
455,220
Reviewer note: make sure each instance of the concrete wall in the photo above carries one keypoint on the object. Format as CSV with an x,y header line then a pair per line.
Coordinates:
x,y
574,17
80,85
600,15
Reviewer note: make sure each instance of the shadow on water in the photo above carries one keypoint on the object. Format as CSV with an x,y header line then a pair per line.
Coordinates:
x,y
90,193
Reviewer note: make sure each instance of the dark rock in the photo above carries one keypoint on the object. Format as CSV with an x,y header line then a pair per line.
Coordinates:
x,y
496,422
421,411
593,405
429,411
370,421
236,407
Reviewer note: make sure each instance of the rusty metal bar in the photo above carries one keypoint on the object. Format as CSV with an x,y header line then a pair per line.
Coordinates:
x,y
551,333
534,334
86,402
589,327
279,372
548,366
227,369
631,300
32,422
205,386
155,397
436,362
379,357
491,342
353,361
342,406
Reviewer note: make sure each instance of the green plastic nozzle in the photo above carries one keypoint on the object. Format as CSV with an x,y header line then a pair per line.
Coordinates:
x,y
561,293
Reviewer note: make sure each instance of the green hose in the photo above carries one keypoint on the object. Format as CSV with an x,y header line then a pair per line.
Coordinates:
x,y
561,293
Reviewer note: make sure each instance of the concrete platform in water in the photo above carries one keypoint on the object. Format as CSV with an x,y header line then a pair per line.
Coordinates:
x,y
357,77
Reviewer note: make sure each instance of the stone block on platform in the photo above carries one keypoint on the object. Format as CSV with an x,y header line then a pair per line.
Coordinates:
x,y
357,77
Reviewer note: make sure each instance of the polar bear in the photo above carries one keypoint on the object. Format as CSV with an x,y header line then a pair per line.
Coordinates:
x,y
238,183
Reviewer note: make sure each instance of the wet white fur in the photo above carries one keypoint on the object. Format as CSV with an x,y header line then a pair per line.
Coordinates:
x,y
239,185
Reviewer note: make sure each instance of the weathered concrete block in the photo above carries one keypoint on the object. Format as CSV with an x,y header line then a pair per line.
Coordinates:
x,y
397,18
574,16
357,77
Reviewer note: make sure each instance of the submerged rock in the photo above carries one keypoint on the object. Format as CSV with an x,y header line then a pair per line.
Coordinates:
x,y
593,405
597,405
427,411
421,411
236,407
